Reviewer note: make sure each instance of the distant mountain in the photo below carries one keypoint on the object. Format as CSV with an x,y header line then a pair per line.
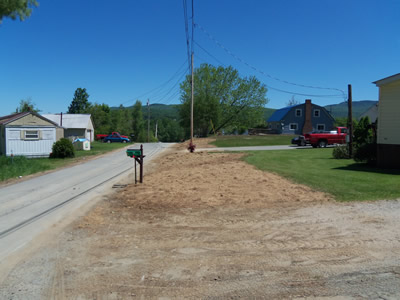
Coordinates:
x,y
340,110
158,111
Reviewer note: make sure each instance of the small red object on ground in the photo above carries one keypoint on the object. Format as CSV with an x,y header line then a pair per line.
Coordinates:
x,y
191,147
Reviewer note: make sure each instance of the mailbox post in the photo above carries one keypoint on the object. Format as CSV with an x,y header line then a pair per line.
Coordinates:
x,y
137,154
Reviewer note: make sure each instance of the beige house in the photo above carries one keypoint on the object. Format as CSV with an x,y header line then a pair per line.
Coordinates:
x,y
388,134
28,134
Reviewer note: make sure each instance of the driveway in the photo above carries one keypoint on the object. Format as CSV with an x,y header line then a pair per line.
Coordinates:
x,y
254,148
30,207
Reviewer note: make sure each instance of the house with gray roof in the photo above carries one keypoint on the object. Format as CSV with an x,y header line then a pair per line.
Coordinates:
x,y
28,134
371,113
75,125
300,119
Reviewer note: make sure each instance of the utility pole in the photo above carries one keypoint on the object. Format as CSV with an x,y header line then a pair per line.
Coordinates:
x,y
350,121
191,146
148,121
191,108
156,128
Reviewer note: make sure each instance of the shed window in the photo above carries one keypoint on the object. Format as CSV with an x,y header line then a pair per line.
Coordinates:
x,y
31,134
293,126
316,113
298,112
320,127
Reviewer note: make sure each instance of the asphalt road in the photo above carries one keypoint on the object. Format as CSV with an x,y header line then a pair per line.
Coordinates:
x,y
30,207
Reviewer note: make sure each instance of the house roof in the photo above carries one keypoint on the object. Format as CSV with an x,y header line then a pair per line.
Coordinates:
x,y
70,120
279,114
387,80
11,118
371,112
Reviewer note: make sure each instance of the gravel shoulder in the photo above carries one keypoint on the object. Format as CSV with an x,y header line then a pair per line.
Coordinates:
x,y
208,225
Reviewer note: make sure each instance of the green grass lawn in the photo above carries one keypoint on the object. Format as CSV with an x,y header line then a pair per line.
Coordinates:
x,y
250,140
344,179
22,166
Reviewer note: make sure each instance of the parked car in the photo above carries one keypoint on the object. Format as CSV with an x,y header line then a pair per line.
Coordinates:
x,y
300,141
116,138
102,136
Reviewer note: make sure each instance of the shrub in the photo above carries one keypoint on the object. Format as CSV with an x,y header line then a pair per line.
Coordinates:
x,y
62,149
341,152
365,142
366,153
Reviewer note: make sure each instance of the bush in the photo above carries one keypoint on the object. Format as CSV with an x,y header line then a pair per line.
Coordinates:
x,y
62,149
341,152
366,153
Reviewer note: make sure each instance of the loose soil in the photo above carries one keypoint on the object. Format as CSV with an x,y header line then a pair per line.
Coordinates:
x,y
208,225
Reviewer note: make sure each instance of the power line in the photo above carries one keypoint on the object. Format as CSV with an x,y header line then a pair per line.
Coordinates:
x,y
172,88
209,54
219,44
268,86
186,19
177,73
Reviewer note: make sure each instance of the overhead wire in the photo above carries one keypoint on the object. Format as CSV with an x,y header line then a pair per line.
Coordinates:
x,y
159,88
186,19
219,44
169,91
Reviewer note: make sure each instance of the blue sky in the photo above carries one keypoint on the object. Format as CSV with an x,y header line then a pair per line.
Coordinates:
x,y
120,50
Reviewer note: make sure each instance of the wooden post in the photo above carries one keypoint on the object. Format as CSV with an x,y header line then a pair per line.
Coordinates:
x,y
191,108
148,121
350,121
141,163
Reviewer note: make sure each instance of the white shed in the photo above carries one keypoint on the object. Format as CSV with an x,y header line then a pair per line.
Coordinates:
x,y
75,125
27,134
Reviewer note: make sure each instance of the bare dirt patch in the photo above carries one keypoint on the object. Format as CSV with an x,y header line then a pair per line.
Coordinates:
x,y
208,225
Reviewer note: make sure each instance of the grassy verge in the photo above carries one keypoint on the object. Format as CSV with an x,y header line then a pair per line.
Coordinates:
x,y
248,140
344,179
22,166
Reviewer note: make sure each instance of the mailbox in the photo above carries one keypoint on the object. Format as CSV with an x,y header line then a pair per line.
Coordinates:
x,y
134,152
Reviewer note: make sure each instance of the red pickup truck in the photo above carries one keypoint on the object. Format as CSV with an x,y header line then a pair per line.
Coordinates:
x,y
321,140
102,136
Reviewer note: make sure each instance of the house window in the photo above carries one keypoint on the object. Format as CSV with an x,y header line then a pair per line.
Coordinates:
x,y
316,113
293,126
31,135
320,127
298,112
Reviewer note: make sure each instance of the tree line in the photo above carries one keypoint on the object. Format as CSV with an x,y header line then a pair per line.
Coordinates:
x,y
223,101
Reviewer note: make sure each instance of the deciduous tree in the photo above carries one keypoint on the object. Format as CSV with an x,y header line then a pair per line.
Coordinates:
x,y
138,122
26,105
16,9
222,97
101,118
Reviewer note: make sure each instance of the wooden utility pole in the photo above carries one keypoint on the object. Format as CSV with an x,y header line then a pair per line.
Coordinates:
x,y
350,121
191,108
148,121
156,129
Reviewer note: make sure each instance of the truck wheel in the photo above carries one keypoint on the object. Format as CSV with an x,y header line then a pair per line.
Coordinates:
x,y
124,141
322,144
109,141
